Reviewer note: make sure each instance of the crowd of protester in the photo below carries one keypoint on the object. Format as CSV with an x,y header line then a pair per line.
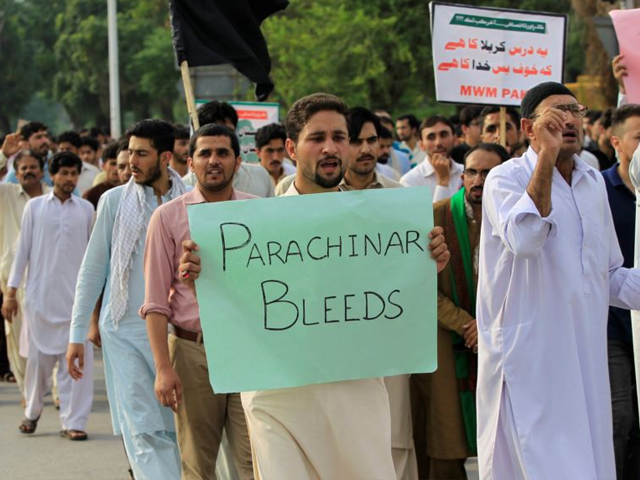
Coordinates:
x,y
94,240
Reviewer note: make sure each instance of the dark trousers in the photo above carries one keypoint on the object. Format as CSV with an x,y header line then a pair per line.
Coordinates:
x,y
4,360
624,400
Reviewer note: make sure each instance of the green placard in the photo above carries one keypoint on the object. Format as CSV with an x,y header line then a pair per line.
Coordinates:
x,y
316,288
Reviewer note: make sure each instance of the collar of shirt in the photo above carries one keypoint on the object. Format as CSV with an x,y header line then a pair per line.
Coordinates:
x,y
374,184
580,166
51,196
195,196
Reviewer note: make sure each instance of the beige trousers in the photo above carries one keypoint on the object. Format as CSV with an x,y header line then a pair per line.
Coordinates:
x,y
12,331
203,415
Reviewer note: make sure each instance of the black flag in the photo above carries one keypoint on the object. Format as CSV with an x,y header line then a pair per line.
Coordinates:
x,y
214,32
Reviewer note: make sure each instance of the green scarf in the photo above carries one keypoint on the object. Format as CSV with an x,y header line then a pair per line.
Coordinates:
x,y
467,397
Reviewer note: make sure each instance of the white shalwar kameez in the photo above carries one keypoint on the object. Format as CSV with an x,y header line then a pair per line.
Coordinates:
x,y
52,242
545,284
329,431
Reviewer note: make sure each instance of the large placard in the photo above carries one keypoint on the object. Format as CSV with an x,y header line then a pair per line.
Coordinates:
x,y
493,56
316,288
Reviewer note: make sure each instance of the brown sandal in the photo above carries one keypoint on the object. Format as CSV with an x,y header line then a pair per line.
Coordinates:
x,y
74,435
28,426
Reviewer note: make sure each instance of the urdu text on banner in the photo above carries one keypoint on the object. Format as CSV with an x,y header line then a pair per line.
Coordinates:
x,y
493,56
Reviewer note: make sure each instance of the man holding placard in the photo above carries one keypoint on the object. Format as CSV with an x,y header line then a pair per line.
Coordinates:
x,y
182,375
550,265
334,430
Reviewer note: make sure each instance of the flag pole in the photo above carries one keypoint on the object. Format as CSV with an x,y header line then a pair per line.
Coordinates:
x,y
114,70
188,93
503,126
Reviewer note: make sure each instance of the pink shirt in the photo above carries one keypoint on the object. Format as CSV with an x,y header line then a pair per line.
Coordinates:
x,y
164,292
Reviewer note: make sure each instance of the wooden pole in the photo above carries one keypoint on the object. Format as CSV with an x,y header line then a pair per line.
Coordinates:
x,y
503,126
188,93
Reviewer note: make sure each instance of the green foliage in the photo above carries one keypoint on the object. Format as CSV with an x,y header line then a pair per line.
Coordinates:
x,y
375,53
17,71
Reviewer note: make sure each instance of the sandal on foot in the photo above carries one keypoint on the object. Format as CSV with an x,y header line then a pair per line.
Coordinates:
x,y
28,426
74,435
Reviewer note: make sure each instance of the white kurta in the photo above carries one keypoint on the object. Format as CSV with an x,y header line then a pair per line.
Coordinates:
x,y
330,431
52,242
425,174
544,287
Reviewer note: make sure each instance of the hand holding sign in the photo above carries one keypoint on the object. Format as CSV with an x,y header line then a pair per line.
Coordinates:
x,y
439,249
189,268
619,71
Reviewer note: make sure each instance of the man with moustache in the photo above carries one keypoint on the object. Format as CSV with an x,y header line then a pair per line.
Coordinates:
x,y
182,374
181,150
353,440
361,174
113,264
550,266
364,145
53,238
249,178
439,172
35,136
270,150
490,127
444,401
13,199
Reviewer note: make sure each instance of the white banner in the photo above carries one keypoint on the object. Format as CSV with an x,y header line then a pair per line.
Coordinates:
x,y
493,56
252,116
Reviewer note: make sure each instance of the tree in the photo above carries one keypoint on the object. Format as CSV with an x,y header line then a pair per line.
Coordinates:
x,y
17,73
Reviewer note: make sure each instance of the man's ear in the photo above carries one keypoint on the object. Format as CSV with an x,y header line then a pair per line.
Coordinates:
x,y
238,162
165,157
290,146
526,126
615,142
190,164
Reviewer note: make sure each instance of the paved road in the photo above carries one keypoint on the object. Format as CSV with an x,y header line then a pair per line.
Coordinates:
x,y
45,455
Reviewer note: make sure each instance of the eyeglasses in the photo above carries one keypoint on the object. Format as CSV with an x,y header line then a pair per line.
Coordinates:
x,y
473,173
576,109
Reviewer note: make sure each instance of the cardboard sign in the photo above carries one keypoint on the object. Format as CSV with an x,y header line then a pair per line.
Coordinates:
x,y
493,56
627,26
316,288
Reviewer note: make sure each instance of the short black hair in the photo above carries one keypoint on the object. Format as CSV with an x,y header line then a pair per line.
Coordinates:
x,y
512,112
499,150
123,143
30,128
470,113
433,120
110,152
622,114
357,117
215,130
64,159
160,133
306,107
606,117
413,121
217,112
27,153
182,132
593,115
91,142
385,132
71,137
96,132
273,131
